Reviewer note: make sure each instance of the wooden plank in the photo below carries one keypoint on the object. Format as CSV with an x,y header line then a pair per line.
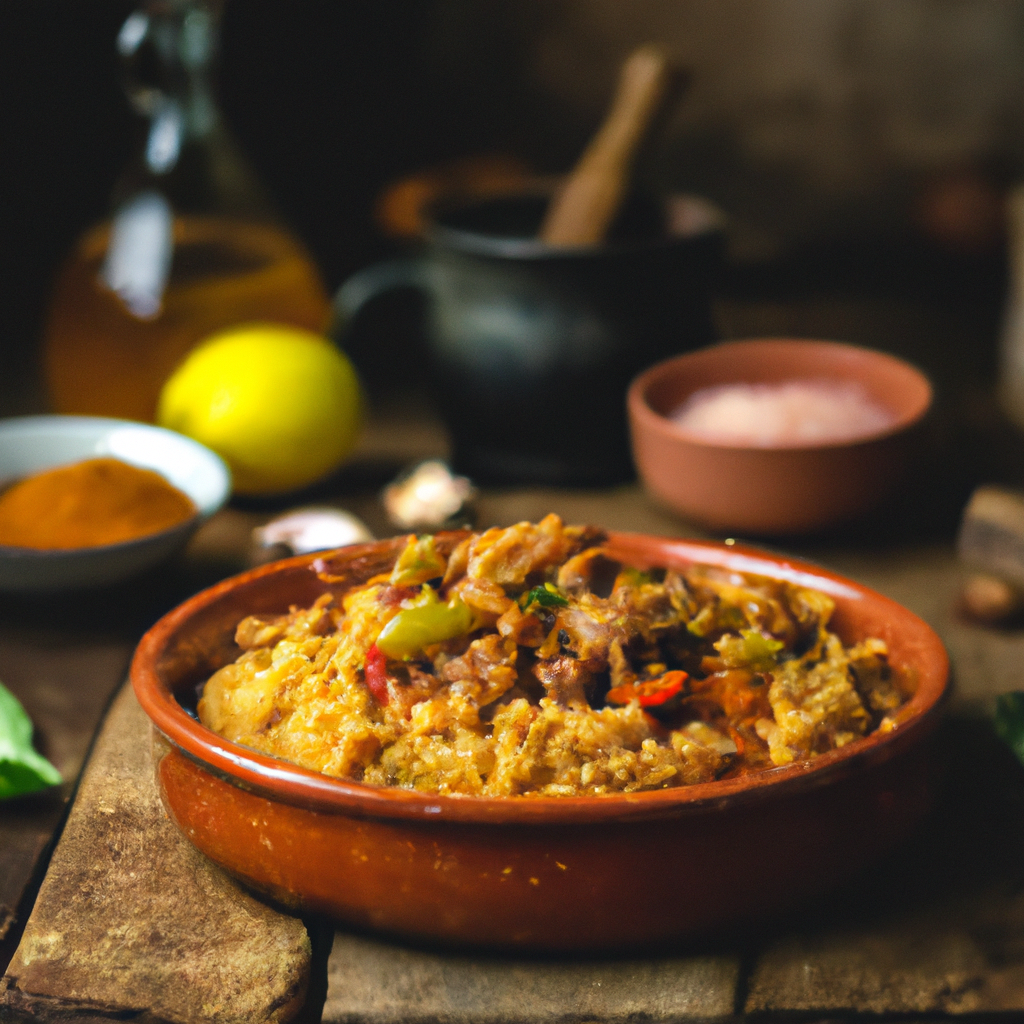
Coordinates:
x,y
25,831
65,683
132,919
63,656
376,982
933,929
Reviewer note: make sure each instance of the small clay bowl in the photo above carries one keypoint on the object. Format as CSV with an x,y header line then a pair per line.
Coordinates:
x,y
543,873
778,490
31,444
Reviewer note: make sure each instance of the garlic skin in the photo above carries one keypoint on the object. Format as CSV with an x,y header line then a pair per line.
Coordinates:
x,y
428,496
312,529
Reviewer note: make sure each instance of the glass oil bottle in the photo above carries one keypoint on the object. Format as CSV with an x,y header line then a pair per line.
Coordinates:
x,y
192,245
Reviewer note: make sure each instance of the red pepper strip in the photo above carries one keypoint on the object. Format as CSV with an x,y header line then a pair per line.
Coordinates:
x,y
375,673
650,693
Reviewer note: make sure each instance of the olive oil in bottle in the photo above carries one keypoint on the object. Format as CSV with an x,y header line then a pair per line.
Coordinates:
x,y
192,245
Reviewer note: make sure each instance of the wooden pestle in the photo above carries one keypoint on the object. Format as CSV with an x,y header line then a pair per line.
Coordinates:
x,y
584,208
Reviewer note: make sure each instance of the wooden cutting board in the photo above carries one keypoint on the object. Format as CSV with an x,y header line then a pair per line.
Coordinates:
x,y
132,923
133,920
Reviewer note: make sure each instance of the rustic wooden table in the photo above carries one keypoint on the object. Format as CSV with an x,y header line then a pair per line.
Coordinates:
x,y
938,929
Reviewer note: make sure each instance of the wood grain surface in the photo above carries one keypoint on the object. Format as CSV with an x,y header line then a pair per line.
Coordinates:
x,y
131,918
933,931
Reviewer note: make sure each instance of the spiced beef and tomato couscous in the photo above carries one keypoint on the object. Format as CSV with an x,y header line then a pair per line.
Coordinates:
x,y
528,662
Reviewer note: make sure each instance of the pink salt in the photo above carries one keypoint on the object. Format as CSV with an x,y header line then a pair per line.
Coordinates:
x,y
793,413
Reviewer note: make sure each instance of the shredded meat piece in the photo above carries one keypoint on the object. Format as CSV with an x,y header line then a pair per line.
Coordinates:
x,y
580,570
650,608
731,602
485,671
618,666
566,681
869,663
458,560
508,556
522,627
408,685
483,596
263,631
592,624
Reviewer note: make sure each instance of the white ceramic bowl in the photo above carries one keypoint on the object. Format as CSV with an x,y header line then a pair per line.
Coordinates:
x,y
31,444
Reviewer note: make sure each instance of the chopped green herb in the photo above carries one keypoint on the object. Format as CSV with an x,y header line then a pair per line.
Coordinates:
x,y
546,596
22,770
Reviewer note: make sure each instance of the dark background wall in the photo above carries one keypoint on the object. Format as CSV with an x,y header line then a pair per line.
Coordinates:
x,y
820,125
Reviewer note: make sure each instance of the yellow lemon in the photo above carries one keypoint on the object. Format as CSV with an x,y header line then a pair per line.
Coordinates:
x,y
280,405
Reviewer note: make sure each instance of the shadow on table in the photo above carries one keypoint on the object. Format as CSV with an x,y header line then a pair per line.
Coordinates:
x,y
963,868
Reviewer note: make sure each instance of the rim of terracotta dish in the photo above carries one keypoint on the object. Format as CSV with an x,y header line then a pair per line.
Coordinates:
x,y
641,409
281,780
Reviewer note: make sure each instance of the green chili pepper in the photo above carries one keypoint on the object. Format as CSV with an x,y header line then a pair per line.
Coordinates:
x,y
750,649
703,622
546,596
22,770
426,621
632,577
418,562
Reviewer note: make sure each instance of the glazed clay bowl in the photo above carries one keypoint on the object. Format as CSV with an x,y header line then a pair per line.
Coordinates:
x,y
783,489
544,873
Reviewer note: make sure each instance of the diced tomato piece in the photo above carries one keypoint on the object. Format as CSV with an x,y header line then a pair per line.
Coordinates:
x,y
658,691
375,673
650,693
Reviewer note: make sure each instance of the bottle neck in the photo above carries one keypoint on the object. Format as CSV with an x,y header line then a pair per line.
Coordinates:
x,y
168,49
186,165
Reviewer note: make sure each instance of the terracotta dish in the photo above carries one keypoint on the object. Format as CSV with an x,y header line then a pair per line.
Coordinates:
x,y
783,489
544,873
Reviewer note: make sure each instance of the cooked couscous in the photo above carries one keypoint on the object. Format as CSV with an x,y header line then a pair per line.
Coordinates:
x,y
525,661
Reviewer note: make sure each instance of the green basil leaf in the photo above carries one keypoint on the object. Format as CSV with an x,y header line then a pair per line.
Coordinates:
x,y
22,770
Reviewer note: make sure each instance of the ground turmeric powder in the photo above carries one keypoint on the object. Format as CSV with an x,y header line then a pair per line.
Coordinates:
x,y
88,504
